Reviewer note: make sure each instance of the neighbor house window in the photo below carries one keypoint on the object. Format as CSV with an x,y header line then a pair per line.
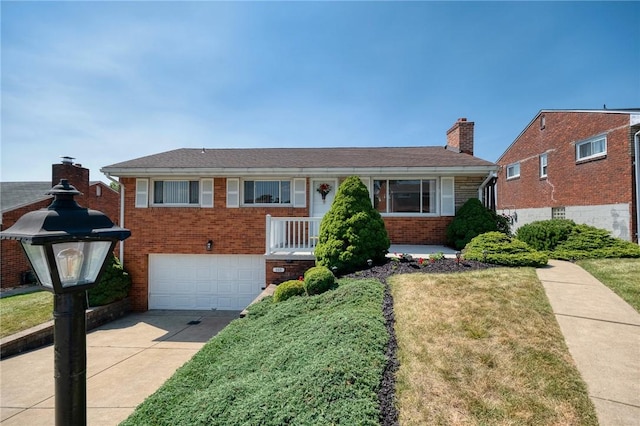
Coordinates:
x,y
405,196
543,165
267,192
592,148
176,192
513,170
543,122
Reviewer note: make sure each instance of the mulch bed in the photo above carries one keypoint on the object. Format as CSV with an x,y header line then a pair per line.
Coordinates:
x,y
386,394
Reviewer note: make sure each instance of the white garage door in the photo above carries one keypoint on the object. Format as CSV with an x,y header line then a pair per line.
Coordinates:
x,y
187,281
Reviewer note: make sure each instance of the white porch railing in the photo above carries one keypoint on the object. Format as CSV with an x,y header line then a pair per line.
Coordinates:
x,y
292,234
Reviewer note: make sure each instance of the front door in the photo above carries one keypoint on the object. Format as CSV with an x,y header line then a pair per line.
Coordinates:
x,y
324,190
321,203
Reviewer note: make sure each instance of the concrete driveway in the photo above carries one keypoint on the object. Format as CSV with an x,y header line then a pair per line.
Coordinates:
x,y
127,360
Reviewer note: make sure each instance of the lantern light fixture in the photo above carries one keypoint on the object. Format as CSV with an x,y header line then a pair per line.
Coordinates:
x,y
67,247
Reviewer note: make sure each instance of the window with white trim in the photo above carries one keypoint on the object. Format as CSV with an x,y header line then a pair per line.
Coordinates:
x,y
176,192
592,148
543,165
513,170
405,195
267,192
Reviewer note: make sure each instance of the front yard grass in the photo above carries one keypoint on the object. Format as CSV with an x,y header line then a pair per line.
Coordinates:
x,y
23,311
306,361
483,348
620,275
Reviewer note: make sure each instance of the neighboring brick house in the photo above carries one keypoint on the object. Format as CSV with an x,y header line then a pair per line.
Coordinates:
x,y
574,164
211,227
18,198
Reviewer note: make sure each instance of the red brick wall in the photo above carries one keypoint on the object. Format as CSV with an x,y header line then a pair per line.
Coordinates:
x,y
417,230
292,270
607,180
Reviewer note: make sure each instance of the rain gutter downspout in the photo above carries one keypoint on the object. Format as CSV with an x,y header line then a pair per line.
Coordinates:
x,y
637,161
490,176
121,219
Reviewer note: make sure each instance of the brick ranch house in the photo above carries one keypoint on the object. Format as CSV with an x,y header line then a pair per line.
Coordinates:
x,y
19,198
575,164
211,227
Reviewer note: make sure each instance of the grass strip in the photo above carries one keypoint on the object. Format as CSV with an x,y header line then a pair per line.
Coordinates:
x,y
307,361
23,311
483,348
622,276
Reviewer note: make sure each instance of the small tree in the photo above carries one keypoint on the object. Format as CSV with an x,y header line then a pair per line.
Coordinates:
x,y
352,231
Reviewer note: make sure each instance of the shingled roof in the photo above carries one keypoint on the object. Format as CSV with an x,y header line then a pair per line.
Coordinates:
x,y
19,194
299,159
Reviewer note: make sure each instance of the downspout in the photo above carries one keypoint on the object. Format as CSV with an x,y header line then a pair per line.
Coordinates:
x,y
490,176
121,220
637,161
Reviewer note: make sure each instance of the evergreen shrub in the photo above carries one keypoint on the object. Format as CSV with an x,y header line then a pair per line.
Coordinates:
x,y
545,234
318,280
588,242
472,220
113,286
352,231
287,290
501,249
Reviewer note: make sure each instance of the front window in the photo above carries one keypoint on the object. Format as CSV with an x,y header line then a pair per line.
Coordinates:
x,y
592,148
405,196
267,192
176,192
513,170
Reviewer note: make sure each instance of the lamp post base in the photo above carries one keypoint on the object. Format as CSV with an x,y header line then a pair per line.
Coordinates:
x,y
70,358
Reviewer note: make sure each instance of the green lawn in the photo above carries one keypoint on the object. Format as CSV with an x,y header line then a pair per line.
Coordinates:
x,y
483,348
620,275
24,311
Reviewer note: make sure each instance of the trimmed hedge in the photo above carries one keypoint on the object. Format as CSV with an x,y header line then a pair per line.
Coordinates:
x,y
564,239
287,290
545,234
318,280
501,249
588,242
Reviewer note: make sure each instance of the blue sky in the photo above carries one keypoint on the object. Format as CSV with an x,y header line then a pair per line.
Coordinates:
x,y
106,82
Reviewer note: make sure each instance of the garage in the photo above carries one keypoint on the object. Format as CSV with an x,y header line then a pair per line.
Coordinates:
x,y
204,282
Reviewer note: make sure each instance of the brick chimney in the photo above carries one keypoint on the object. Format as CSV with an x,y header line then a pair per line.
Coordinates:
x,y
460,136
77,176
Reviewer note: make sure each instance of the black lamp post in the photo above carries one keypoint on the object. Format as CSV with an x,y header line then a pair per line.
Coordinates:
x,y
67,247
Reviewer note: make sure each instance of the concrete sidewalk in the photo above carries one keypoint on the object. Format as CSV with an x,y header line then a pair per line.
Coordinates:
x,y
127,360
603,336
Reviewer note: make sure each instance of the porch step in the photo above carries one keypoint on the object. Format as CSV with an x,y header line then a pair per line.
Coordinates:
x,y
266,292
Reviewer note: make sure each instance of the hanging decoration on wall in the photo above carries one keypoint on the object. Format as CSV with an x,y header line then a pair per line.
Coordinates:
x,y
324,189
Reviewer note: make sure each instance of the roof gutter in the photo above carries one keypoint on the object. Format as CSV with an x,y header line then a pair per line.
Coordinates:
x,y
121,219
306,171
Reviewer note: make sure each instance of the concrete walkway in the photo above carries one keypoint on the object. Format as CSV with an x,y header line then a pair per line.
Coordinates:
x,y
603,335
127,360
